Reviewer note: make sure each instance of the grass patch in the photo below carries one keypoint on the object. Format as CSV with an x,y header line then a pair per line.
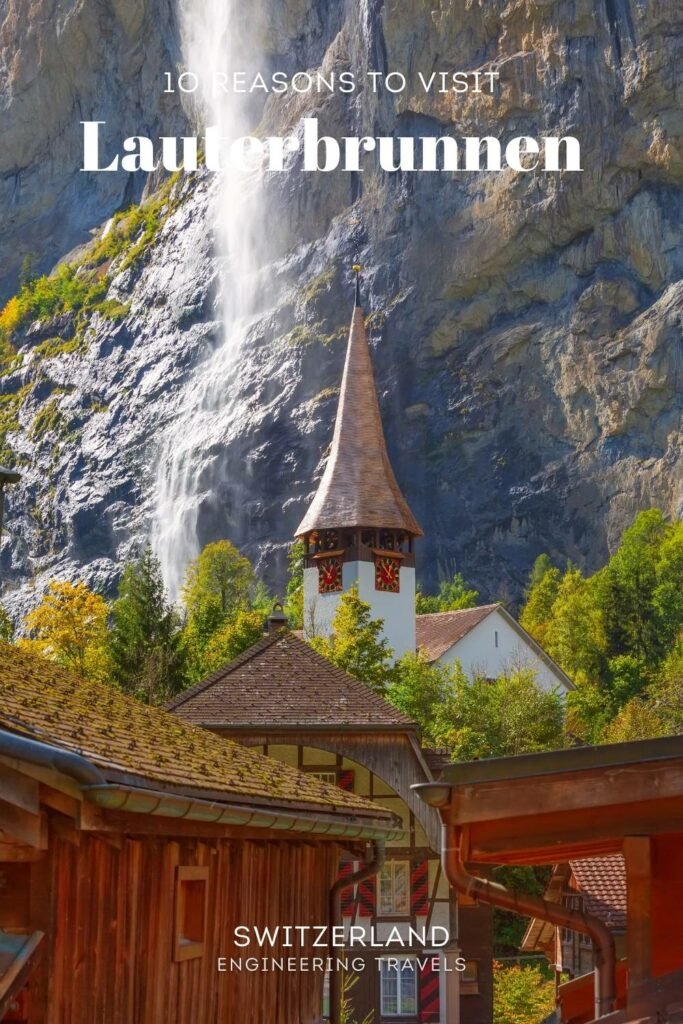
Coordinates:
x,y
53,347
320,283
110,309
9,420
47,420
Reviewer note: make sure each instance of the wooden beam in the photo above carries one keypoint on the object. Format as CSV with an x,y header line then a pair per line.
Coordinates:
x,y
638,857
29,829
573,792
561,836
12,852
18,790
57,801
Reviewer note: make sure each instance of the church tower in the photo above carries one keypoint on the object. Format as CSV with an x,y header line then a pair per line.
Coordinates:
x,y
359,528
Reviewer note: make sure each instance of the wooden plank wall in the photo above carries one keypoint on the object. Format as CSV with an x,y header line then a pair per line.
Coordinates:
x,y
113,910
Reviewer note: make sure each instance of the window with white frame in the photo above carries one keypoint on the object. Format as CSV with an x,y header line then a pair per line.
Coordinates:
x,y
330,777
398,991
393,888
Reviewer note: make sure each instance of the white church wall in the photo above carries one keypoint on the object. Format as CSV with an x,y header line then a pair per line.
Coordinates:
x,y
396,610
494,647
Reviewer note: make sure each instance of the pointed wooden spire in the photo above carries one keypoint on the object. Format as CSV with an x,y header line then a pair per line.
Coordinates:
x,y
358,487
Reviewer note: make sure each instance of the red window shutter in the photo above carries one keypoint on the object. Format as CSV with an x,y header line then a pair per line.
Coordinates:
x,y
430,1011
347,894
419,887
367,898
346,780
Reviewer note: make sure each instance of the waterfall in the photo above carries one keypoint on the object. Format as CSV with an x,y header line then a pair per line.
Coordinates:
x,y
214,42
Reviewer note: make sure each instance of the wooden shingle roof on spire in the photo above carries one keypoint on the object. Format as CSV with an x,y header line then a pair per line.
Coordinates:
x,y
358,487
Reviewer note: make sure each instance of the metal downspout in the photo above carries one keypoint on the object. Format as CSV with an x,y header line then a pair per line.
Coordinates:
x,y
372,867
533,906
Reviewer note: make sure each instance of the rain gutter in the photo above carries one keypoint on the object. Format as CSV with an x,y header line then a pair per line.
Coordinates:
x,y
115,797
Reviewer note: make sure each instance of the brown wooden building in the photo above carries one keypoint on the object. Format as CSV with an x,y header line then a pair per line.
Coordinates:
x,y
597,886
577,805
292,704
131,846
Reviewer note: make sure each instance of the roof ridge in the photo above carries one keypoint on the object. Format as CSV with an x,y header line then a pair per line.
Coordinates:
x,y
462,611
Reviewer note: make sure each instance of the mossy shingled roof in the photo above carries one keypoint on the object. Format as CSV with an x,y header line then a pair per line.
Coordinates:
x,y
121,735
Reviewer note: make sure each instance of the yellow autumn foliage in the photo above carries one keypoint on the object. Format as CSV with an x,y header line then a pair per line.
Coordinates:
x,y
69,626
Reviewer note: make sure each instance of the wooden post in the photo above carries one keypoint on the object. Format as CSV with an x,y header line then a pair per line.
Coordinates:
x,y
638,857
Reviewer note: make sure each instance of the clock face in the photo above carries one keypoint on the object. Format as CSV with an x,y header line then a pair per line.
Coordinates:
x,y
329,575
387,574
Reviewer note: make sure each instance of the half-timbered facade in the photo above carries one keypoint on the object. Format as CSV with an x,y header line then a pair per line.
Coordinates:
x,y
293,705
132,845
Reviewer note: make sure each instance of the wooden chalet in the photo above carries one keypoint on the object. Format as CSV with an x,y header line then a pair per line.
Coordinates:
x,y
571,806
595,885
293,705
131,846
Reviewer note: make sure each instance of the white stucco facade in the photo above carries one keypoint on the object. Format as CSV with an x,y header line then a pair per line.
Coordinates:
x,y
397,611
494,646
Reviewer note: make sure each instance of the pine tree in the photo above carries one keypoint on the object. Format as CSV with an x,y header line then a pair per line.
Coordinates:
x,y
144,640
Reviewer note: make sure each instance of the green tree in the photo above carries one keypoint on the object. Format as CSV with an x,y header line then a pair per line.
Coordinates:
x,y
542,564
521,995
294,601
511,715
575,634
145,634
626,590
69,626
230,640
639,719
541,596
453,595
356,644
509,928
219,583
423,691
667,691
667,596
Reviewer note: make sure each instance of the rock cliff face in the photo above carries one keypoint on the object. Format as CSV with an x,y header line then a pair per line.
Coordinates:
x,y
527,327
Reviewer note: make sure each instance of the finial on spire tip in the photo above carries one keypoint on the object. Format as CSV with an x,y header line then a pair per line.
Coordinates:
x,y
357,269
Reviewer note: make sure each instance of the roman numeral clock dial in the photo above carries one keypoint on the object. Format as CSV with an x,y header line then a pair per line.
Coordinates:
x,y
329,575
387,574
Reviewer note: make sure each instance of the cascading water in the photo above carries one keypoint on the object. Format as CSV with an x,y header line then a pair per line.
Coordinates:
x,y
214,41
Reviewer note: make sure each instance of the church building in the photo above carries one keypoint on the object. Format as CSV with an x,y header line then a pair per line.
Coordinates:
x,y
359,528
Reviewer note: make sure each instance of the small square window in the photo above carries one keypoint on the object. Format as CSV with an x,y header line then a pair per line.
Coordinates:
x,y
329,777
469,979
191,895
